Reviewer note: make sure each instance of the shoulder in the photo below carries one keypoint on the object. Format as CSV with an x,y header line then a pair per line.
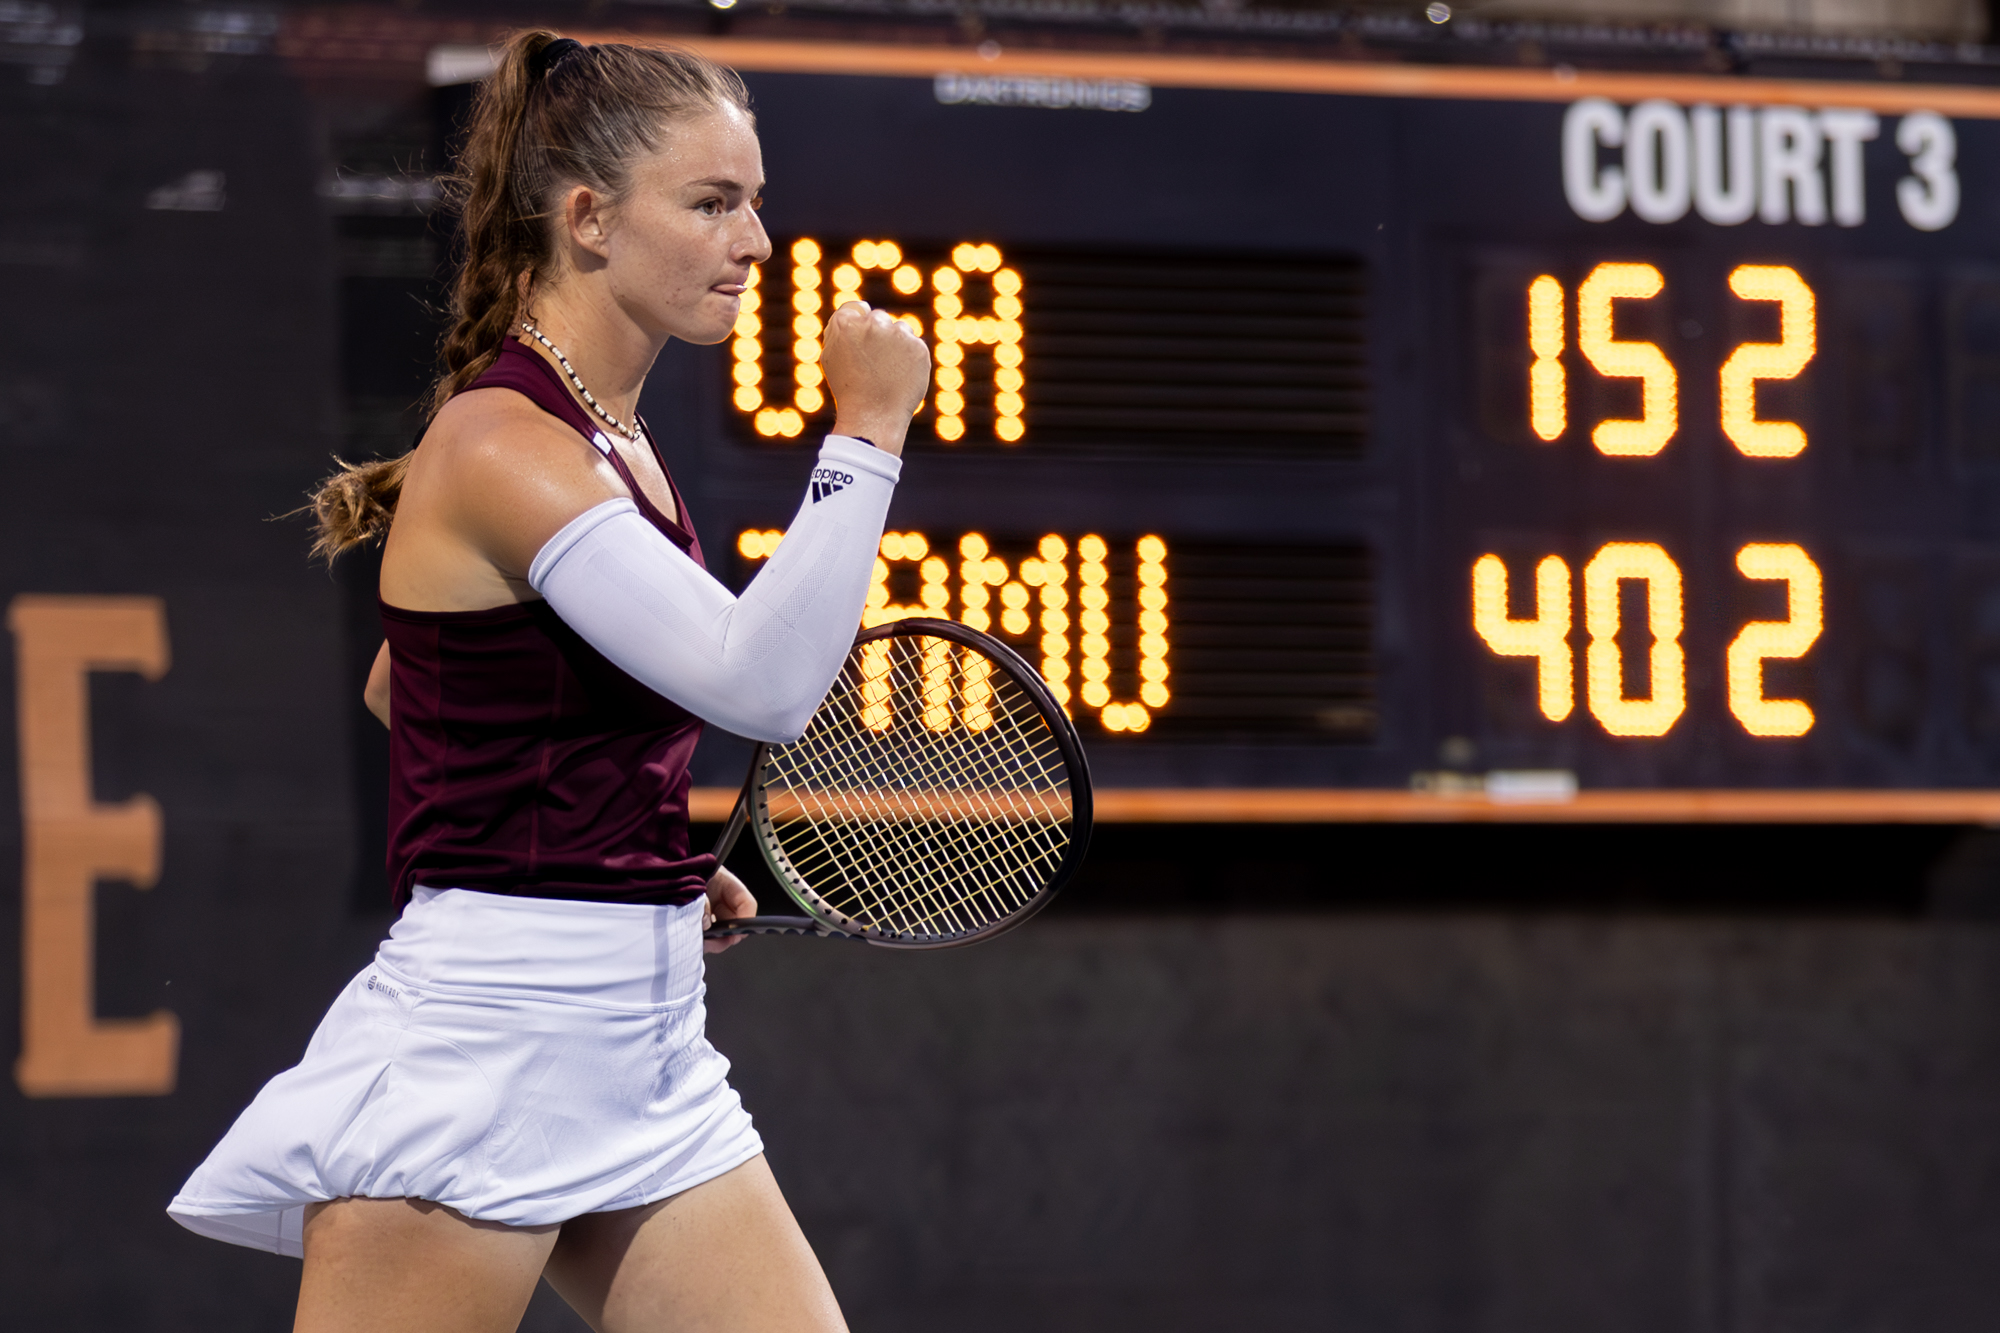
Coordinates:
x,y
484,427
504,475
496,443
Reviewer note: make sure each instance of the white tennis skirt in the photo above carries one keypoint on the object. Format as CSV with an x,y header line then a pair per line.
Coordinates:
x,y
522,1060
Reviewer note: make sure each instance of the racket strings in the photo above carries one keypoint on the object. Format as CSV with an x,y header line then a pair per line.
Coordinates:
x,y
1002,856
846,742
914,829
923,895
1041,835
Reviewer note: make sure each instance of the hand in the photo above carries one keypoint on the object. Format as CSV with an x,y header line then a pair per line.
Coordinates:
x,y
727,900
878,372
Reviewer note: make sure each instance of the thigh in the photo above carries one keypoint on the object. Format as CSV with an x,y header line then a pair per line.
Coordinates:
x,y
725,1255
412,1266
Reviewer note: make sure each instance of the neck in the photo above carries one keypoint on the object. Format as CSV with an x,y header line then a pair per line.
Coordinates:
x,y
608,352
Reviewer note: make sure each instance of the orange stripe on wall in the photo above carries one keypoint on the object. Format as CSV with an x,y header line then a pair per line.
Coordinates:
x,y
1318,805
1354,79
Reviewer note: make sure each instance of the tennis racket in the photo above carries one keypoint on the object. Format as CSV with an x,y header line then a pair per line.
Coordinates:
x,y
938,797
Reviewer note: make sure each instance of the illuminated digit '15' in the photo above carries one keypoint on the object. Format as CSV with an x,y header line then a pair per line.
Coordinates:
x,y
1544,638
1614,359
1780,360
1764,639
1644,562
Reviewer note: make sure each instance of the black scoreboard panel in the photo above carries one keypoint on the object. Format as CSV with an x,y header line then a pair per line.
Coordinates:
x,y
1640,442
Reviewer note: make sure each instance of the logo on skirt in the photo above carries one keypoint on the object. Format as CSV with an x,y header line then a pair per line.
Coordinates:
x,y
385,988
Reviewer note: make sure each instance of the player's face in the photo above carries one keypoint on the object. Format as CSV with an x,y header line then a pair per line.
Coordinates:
x,y
681,243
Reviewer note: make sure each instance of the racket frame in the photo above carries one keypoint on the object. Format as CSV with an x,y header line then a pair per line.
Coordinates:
x,y
753,807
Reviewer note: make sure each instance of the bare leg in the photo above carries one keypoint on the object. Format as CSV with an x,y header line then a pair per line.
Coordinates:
x,y
724,1257
411,1266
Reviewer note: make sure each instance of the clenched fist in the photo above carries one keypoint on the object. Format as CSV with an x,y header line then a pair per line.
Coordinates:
x,y
878,372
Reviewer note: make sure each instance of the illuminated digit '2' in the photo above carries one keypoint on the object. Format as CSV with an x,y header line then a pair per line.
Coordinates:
x,y
1762,639
1780,360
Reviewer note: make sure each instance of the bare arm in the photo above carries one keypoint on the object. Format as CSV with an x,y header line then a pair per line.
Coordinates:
x,y
376,693
497,477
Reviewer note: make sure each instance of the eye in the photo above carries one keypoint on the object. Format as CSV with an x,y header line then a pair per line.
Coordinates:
x,y
710,207
757,204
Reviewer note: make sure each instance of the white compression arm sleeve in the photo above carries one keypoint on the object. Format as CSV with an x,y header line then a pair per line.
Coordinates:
x,y
758,664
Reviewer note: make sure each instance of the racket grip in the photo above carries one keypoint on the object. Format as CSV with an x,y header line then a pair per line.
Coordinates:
x,y
740,816
772,925
733,830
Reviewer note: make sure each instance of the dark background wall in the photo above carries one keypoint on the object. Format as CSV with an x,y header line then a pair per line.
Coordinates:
x,y
1375,1079
1474,1122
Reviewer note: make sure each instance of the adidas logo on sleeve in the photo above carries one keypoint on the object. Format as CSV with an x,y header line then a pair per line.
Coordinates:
x,y
827,481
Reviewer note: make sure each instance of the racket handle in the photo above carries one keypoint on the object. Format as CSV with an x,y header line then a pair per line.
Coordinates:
x,y
733,830
772,925
740,816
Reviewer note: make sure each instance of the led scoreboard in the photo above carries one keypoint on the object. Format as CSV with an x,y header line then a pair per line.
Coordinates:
x,y
1344,442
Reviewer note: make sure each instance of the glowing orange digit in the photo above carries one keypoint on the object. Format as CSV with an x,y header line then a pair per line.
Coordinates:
x,y
1781,360
1647,563
1764,639
1613,359
1548,409
1544,638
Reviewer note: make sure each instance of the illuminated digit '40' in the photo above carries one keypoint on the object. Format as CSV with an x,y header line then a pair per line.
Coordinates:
x,y
1618,358
955,329
1545,636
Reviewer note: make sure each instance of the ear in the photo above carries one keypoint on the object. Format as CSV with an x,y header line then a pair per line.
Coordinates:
x,y
584,220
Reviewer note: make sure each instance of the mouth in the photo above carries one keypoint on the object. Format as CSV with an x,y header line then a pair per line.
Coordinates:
x,y
730,288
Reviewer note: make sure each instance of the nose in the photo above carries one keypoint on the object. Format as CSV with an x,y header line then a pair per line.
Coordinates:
x,y
755,246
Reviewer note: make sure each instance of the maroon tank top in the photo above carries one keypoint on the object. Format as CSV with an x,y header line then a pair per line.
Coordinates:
x,y
521,761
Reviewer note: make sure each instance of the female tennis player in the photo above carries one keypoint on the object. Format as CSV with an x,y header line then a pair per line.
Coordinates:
x,y
519,1084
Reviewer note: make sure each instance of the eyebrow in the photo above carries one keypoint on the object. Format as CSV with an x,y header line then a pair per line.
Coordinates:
x,y
728,185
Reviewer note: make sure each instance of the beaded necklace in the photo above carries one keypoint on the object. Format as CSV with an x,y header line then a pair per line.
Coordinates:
x,y
630,433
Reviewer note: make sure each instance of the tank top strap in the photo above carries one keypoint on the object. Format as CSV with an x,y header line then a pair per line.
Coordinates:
x,y
527,374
